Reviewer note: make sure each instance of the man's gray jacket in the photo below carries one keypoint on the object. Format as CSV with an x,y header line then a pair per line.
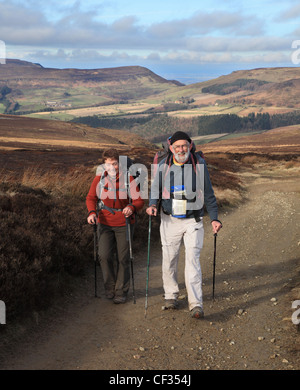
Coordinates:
x,y
197,185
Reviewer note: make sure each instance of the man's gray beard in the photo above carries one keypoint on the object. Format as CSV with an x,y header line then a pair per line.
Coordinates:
x,y
182,158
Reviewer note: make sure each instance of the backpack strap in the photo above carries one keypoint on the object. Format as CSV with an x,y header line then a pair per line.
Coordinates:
x,y
102,206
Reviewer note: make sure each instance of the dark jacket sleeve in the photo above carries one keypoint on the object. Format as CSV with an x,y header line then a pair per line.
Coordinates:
x,y
156,185
209,196
92,198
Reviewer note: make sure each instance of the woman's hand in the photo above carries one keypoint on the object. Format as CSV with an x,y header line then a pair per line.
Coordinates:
x,y
127,211
92,219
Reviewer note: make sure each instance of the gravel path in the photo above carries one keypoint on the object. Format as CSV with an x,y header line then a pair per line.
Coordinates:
x,y
248,327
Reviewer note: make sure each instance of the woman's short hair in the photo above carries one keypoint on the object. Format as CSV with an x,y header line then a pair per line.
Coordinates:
x,y
111,153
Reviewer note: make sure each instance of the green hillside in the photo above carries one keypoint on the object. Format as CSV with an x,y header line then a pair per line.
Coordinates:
x,y
26,87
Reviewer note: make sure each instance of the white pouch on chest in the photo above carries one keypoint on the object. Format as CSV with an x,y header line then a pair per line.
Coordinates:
x,y
178,201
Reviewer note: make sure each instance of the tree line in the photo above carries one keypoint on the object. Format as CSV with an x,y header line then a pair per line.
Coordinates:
x,y
156,127
237,85
9,105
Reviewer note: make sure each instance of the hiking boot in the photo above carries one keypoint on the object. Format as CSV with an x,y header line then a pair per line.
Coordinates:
x,y
171,304
109,294
120,299
197,312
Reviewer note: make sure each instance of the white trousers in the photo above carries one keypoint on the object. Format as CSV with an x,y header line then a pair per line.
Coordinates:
x,y
172,231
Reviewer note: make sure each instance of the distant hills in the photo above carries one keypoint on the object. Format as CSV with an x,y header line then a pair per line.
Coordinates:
x,y
136,100
27,87
264,87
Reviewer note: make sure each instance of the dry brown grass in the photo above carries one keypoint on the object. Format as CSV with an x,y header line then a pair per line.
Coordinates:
x,y
61,142
38,133
44,241
283,140
294,164
228,197
254,159
75,183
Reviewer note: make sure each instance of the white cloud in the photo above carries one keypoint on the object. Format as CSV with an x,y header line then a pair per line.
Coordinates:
x,y
95,58
77,34
19,25
204,23
14,16
292,12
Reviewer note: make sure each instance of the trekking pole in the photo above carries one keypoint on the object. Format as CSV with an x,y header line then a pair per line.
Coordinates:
x,y
214,270
131,258
95,256
148,266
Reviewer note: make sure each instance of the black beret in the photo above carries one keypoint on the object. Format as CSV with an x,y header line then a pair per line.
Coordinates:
x,y
180,135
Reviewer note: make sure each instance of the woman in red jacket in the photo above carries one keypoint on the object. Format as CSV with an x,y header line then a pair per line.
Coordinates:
x,y
117,202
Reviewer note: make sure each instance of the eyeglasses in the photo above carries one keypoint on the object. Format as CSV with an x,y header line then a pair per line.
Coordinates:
x,y
184,147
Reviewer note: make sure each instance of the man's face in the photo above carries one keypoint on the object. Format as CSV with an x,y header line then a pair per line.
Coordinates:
x,y
181,150
112,167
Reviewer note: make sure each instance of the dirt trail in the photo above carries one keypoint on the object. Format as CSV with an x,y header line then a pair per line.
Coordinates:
x,y
247,327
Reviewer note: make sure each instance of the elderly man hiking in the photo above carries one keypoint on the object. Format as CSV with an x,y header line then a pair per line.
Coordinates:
x,y
118,203
180,188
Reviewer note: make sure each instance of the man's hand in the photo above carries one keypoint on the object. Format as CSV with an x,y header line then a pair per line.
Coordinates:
x,y
152,210
216,226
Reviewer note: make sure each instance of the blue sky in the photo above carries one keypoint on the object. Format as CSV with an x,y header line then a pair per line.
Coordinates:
x,y
190,41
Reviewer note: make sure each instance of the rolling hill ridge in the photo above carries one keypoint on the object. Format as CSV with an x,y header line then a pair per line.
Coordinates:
x,y
272,88
19,132
136,100
27,87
